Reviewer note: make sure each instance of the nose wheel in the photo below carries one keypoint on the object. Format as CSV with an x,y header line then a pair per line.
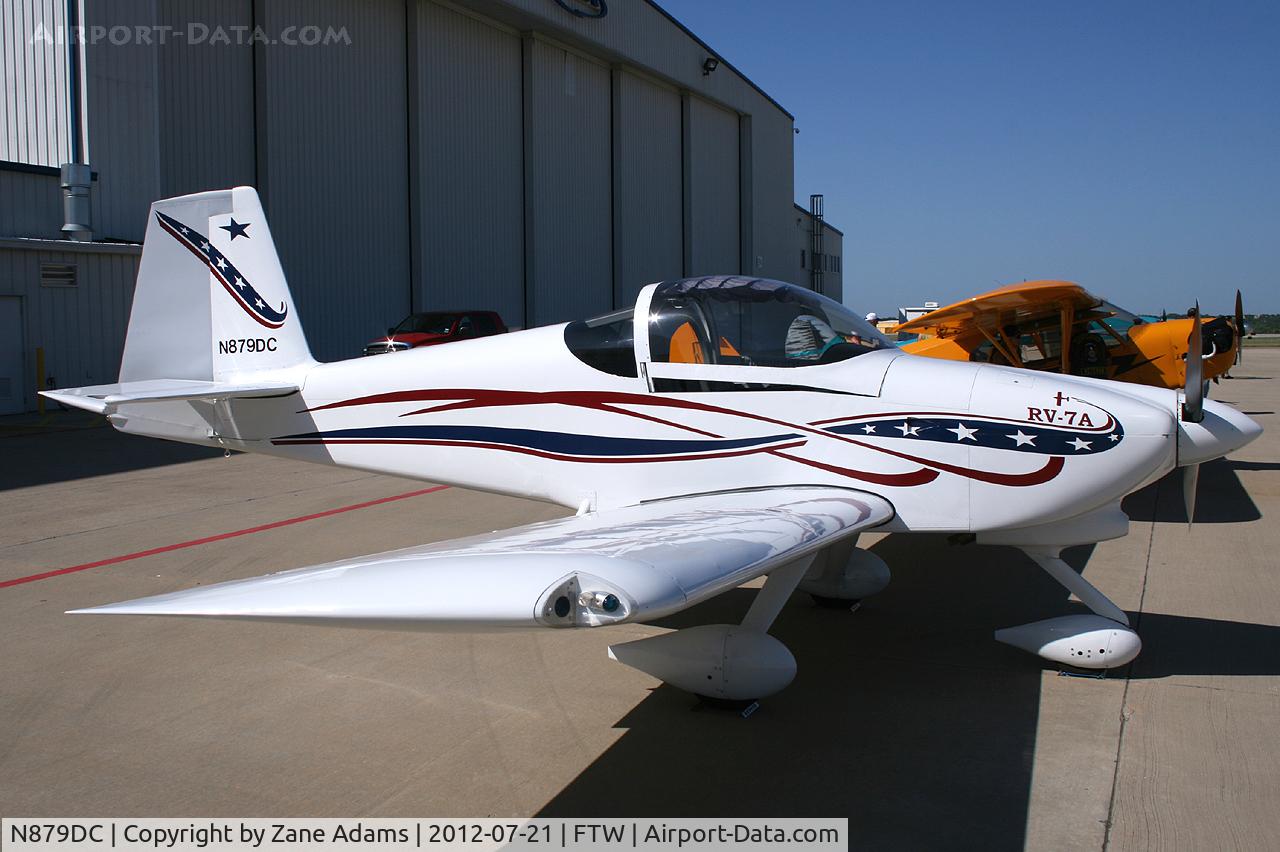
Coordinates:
x,y
1101,640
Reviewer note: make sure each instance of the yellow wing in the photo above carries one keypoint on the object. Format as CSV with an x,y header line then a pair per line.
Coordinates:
x,y
1015,304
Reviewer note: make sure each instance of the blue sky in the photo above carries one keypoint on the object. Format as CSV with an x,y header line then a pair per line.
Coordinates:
x,y
1132,147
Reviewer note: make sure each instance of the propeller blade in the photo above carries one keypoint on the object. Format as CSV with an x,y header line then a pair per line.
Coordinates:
x,y
1190,478
1193,394
1239,329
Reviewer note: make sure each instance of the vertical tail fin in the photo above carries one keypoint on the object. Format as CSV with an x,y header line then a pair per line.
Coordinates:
x,y
211,302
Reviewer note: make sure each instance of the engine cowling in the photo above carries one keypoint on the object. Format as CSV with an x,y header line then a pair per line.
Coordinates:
x,y
716,660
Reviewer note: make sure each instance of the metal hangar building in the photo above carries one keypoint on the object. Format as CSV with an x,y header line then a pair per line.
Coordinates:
x,y
541,158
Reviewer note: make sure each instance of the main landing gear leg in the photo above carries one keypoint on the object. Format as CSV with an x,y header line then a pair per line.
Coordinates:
x,y
725,665
1102,640
843,574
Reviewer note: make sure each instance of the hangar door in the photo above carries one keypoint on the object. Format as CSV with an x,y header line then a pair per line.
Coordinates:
x,y
568,199
714,226
648,232
11,401
470,224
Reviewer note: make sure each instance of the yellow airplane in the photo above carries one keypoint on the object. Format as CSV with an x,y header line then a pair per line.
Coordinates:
x,y
1024,325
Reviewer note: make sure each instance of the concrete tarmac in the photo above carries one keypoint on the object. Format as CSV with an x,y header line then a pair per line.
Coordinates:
x,y
906,716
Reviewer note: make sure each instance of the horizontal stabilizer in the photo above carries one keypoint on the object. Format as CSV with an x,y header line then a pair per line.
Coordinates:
x,y
104,399
632,564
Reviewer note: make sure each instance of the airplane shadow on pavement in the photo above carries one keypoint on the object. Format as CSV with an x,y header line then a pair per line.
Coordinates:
x,y
40,458
1220,496
907,716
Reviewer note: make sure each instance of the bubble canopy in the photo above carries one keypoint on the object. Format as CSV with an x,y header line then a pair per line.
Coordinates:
x,y
728,320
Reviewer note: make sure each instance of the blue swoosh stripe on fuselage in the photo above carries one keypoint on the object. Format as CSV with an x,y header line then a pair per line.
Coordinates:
x,y
553,442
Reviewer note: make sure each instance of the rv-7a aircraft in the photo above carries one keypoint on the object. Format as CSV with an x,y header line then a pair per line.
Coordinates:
x,y
724,429
1024,325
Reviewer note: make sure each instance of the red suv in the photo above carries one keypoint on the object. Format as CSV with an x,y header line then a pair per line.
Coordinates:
x,y
436,327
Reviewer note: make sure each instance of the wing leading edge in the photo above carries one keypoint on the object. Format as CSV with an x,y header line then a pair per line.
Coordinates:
x,y
633,564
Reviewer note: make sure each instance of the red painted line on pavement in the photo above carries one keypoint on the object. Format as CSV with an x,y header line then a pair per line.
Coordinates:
x,y
220,537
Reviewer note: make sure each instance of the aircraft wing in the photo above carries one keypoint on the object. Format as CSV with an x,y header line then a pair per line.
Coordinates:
x,y
632,564
1017,302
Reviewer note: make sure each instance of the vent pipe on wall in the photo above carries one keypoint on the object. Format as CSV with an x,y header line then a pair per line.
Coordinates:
x,y
75,201
76,175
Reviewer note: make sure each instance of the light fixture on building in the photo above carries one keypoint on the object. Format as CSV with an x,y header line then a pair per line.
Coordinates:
x,y
709,64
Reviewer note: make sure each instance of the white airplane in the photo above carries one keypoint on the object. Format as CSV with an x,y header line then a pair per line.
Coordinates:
x,y
724,429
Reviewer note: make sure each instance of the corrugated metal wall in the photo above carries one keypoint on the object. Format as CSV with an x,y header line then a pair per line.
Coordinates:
x,y
123,119
440,159
81,328
713,188
469,214
205,93
33,83
772,187
30,205
569,231
640,31
648,209
334,143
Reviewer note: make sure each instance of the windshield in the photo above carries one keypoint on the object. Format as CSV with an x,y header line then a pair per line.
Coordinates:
x,y
753,321
426,324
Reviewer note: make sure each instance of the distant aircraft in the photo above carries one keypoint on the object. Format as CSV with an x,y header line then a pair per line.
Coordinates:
x,y
723,429
1024,325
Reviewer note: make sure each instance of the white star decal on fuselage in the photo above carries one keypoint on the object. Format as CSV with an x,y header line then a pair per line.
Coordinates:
x,y
907,430
869,429
964,433
1080,444
1022,438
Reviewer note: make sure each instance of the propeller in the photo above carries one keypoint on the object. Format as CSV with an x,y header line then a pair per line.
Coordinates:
x,y
1190,478
1239,329
1193,408
1193,394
